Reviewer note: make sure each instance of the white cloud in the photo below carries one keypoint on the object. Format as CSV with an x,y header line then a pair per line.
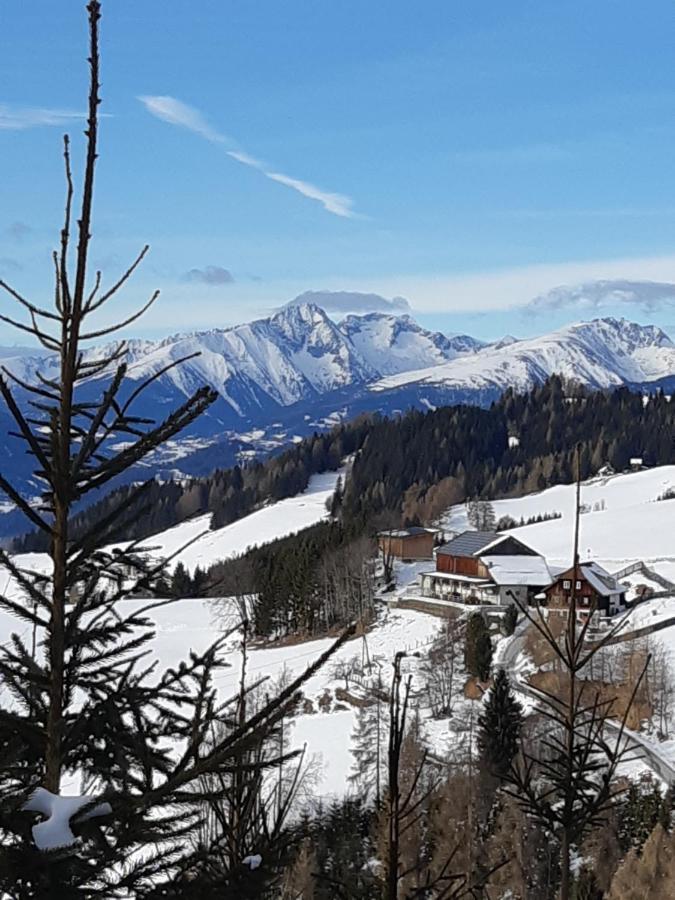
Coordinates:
x,y
505,289
18,118
343,302
175,112
596,295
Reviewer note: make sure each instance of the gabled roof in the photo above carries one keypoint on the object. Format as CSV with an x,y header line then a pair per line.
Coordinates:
x,y
469,543
604,583
598,578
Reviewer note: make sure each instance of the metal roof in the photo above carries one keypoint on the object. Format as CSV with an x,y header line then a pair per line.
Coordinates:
x,y
469,543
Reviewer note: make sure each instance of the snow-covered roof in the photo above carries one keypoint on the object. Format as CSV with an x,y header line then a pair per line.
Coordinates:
x,y
531,571
600,579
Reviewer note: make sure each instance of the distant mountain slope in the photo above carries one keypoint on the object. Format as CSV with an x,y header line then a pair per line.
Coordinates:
x,y
394,344
602,353
298,371
262,367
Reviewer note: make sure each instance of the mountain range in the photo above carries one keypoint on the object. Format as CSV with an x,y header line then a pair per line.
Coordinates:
x,y
299,370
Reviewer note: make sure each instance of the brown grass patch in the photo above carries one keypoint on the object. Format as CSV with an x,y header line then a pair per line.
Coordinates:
x,y
474,689
618,694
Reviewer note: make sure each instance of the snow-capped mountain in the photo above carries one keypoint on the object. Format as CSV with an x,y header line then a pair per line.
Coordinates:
x,y
295,355
393,344
300,365
299,370
601,353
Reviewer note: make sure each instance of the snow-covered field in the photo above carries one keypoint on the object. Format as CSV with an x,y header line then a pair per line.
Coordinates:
x,y
193,624
628,524
260,527
625,523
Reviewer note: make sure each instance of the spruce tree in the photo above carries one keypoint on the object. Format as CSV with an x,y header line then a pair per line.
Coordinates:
x,y
478,647
510,619
483,655
499,726
81,701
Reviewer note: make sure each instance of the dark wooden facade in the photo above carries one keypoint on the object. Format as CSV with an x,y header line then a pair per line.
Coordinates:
x,y
473,565
588,598
407,546
461,565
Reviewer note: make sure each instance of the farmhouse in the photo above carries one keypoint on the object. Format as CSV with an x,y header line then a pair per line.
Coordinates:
x,y
407,543
483,567
595,589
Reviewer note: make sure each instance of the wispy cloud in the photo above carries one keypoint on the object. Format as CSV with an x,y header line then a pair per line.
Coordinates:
x,y
213,275
175,112
18,118
597,295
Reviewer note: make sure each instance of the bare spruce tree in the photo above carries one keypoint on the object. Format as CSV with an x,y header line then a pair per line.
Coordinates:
x,y
84,700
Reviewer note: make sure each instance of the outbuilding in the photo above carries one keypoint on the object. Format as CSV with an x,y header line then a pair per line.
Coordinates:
x,y
407,543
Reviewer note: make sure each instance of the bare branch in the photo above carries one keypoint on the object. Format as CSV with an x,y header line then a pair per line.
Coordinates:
x,y
103,332
91,306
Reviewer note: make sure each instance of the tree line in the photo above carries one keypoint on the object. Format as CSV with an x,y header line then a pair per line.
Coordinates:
x,y
414,466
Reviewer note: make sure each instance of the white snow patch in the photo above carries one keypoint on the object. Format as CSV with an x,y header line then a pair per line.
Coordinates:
x,y
55,831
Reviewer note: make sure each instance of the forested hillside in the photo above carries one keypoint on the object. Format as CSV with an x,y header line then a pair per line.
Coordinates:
x,y
412,467
228,494
420,464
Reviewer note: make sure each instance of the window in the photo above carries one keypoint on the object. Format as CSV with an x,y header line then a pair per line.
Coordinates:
x,y
567,585
587,601
578,585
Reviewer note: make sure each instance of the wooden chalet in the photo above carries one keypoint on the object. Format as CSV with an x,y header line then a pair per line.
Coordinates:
x,y
483,567
412,543
596,591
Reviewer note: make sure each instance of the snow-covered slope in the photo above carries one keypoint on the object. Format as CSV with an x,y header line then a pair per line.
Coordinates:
x,y
625,521
260,527
600,353
393,344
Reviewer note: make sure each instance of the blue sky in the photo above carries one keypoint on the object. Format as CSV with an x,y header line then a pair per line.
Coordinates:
x,y
469,157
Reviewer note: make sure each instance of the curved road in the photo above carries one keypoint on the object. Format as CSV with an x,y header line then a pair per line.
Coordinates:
x,y
662,766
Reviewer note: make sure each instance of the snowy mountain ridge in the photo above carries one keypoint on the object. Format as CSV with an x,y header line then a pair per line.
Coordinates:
x,y
601,353
299,371
300,354
296,353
